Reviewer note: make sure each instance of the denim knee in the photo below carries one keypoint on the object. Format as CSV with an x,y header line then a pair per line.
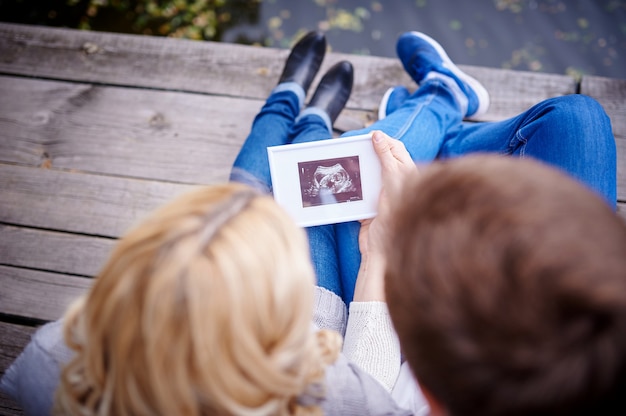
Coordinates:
x,y
578,117
580,109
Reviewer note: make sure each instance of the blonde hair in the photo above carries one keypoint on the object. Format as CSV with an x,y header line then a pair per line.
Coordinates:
x,y
204,308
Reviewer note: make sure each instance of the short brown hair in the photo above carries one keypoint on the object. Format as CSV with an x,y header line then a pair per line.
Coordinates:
x,y
506,282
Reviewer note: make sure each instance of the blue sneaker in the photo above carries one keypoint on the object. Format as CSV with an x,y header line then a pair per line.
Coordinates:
x,y
392,100
423,58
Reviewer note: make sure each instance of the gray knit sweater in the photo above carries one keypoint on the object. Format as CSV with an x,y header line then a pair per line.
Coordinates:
x,y
32,378
371,344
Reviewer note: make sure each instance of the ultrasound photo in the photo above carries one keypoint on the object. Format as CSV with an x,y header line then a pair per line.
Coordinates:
x,y
330,181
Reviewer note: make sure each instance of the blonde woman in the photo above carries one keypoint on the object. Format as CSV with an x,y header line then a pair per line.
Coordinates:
x,y
196,314
210,306
204,308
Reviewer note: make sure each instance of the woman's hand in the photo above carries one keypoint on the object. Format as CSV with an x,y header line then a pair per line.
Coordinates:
x,y
396,165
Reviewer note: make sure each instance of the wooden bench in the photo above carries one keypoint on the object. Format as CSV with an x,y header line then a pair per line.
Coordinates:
x,y
98,129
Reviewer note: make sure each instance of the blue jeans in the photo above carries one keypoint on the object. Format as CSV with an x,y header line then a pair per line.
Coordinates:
x,y
572,133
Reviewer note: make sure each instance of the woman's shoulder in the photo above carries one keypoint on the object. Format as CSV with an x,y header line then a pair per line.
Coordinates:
x,y
32,378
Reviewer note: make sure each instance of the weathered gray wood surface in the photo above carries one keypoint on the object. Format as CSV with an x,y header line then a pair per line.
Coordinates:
x,y
98,129
63,252
226,69
79,202
53,292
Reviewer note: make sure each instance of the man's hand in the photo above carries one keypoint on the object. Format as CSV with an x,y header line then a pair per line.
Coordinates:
x,y
395,160
396,165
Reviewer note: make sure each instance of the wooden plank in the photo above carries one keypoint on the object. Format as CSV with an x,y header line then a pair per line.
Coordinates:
x,y
8,407
171,136
38,295
142,61
13,339
53,251
79,202
164,135
229,69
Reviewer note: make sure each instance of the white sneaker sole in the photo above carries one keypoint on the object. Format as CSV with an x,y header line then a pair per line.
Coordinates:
x,y
382,107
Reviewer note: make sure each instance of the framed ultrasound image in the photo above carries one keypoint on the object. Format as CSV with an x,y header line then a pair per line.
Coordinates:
x,y
327,181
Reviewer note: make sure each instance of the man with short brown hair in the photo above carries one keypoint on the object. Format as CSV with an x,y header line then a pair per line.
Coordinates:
x,y
505,280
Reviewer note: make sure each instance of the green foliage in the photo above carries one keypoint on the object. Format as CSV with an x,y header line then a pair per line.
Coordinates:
x,y
191,19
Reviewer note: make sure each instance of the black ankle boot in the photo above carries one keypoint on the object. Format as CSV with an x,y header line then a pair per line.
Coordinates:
x,y
334,89
305,60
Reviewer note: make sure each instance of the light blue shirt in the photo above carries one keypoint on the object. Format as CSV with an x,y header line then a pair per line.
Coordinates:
x,y
33,377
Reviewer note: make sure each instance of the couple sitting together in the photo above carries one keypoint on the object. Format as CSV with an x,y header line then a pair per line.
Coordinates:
x,y
491,282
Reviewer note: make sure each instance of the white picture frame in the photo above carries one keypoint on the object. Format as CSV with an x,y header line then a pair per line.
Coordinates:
x,y
327,181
